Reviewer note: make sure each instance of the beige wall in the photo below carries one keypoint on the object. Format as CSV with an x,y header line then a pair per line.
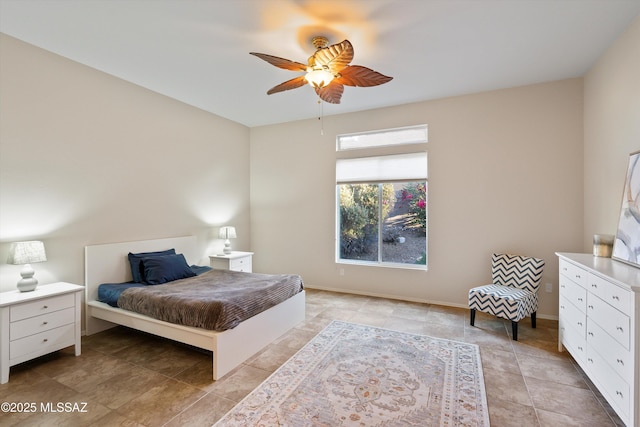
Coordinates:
x,y
86,158
505,174
611,131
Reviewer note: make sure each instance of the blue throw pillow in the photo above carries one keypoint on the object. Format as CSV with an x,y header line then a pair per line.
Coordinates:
x,y
165,268
137,271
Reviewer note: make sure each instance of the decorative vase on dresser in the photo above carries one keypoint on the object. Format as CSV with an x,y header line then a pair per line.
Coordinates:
x,y
599,324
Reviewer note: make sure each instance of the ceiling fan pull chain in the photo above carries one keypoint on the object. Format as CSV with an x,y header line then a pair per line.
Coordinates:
x,y
321,116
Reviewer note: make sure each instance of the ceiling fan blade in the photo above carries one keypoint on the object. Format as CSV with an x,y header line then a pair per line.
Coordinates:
x,y
281,62
356,75
336,57
331,93
289,84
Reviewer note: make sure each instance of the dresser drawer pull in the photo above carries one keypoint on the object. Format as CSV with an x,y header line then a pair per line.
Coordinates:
x,y
577,276
594,285
619,328
616,297
580,299
45,323
590,333
619,393
45,307
589,359
579,323
590,306
580,348
562,307
45,340
620,361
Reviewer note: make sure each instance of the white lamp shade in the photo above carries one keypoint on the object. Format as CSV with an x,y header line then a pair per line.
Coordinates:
x,y
227,232
26,253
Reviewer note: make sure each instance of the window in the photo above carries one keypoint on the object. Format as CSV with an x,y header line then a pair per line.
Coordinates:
x,y
382,199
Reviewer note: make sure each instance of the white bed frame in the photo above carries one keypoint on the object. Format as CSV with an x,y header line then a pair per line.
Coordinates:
x,y
108,263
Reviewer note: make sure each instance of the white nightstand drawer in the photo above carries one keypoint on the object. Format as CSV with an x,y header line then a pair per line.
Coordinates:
x,y
37,324
574,293
55,338
573,272
610,293
611,351
41,306
614,322
240,264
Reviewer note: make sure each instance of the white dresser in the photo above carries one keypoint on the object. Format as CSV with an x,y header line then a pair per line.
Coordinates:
x,y
235,261
39,322
599,321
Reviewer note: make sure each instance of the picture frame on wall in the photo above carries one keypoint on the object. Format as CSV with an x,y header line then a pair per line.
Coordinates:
x,y
626,246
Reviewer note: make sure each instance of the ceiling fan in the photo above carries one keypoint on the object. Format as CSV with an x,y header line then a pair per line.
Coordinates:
x,y
327,70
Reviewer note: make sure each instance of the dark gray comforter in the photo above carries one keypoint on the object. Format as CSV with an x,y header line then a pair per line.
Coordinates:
x,y
216,300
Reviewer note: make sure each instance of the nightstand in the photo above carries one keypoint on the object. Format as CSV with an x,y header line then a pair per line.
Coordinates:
x,y
38,322
235,261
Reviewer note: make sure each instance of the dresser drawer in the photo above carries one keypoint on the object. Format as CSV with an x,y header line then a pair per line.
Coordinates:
x,y
615,388
240,264
55,339
574,341
37,324
616,356
610,293
572,317
614,322
41,306
574,273
574,293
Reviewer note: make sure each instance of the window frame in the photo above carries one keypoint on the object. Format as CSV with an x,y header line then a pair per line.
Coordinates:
x,y
381,150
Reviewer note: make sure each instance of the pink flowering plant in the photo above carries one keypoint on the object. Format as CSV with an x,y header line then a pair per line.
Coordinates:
x,y
415,195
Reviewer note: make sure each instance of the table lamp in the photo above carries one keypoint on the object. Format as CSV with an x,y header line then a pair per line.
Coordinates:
x,y
26,253
227,233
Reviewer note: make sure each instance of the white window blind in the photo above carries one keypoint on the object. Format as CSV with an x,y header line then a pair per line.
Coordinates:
x,y
398,168
381,138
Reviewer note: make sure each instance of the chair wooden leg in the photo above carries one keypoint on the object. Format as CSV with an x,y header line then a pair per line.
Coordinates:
x,y
533,320
472,316
514,330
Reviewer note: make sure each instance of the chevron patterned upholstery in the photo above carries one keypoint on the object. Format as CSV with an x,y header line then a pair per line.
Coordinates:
x,y
513,294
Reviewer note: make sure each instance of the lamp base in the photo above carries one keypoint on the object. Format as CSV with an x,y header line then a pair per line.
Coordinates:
x,y
227,247
28,283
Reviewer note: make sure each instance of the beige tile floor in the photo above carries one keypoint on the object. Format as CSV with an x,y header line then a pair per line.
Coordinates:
x,y
128,378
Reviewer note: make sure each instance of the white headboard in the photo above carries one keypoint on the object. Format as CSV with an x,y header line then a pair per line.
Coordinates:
x,y
108,263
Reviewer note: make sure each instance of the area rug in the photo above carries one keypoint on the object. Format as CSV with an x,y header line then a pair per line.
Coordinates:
x,y
356,375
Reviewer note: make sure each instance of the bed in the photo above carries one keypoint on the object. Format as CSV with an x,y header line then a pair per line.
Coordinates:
x,y
108,263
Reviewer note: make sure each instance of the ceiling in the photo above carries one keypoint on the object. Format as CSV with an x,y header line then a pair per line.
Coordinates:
x,y
197,51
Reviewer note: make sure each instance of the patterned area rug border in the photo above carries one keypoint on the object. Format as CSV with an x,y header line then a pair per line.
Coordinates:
x,y
358,375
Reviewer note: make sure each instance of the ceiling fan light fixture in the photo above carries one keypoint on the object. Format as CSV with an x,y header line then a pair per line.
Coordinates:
x,y
327,71
318,77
